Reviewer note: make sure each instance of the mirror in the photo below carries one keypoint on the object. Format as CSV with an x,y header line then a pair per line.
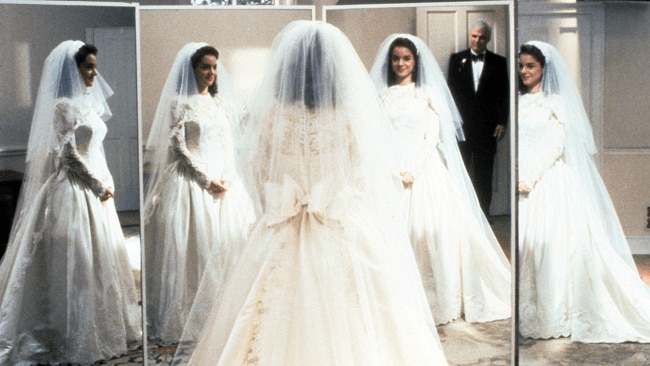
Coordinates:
x,y
445,27
244,51
597,41
31,31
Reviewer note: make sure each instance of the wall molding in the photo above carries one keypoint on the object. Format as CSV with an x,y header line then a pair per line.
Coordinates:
x,y
6,152
627,151
639,244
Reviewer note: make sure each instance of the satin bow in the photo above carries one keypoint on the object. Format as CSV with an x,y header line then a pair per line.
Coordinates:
x,y
288,199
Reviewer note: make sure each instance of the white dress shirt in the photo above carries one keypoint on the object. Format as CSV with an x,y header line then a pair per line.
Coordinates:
x,y
477,69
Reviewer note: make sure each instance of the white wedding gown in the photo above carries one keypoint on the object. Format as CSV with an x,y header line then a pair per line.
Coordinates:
x,y
185,222
572,281
463,269
66,287
319,282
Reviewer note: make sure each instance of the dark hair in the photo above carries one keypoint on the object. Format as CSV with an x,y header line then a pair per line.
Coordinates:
x,y
196,58
313,74
402,42
84,52
529,49
304,78
65,84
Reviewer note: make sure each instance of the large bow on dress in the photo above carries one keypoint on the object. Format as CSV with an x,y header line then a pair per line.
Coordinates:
x,y
287,199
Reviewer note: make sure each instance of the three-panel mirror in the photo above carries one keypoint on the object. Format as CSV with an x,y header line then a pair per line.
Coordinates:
x,y
180,190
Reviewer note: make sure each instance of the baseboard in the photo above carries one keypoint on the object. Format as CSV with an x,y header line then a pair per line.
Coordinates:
x,y
639,244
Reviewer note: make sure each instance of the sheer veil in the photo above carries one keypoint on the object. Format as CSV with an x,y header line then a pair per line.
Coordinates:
x,y
431,84
316,125
60,79
580,148
316,71
181,83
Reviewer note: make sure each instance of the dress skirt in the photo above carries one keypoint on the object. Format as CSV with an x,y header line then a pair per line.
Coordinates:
x,y
187,225
314,288
68,289
463,272
572,282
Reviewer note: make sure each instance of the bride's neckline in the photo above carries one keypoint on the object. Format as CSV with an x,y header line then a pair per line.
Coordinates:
x,y
403,86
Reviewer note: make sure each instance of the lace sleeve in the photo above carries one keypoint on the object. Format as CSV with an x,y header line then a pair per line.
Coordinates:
x,y
68,130
430,144
228,153
181,114
550,150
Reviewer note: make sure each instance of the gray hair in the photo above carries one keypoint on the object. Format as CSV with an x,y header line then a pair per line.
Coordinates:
x,y
482,24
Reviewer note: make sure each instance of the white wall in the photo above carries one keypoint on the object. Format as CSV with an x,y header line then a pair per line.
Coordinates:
x,y
243,38
604,43
626,130
34,31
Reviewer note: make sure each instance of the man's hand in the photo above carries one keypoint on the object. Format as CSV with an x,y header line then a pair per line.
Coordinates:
x,y
500,132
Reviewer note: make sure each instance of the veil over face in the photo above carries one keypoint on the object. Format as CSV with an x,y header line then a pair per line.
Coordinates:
x,y
316,144
316,73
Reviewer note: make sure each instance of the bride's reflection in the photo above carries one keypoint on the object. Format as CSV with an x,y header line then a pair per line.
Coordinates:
x,y
448,229
586,289
67,287
191,224
196,205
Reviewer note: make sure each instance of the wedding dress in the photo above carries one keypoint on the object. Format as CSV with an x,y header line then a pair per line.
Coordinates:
x,y
186,224
67,293
461,264
326,277
577,276
462,269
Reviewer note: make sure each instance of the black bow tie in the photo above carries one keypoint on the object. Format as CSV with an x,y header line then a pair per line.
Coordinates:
x,y
480,57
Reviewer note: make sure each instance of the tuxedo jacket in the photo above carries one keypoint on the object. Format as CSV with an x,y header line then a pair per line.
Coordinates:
x,y
486,107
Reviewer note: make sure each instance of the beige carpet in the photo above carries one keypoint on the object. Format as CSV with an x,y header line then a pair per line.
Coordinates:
x,y
476,344
481,343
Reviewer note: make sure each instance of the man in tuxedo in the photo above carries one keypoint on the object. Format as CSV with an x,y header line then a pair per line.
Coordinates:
x,y
478,80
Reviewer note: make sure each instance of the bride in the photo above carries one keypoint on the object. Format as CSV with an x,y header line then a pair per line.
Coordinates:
x,y
577,275
67,293
463,268
197,211
326,277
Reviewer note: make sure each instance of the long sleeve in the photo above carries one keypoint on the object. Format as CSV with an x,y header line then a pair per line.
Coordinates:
x,y
181,115
69,132
543,148
431,139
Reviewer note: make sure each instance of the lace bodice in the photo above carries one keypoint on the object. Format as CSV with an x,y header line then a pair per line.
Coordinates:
x,y
307,146
201,138
80,133
415,124
541,136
